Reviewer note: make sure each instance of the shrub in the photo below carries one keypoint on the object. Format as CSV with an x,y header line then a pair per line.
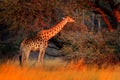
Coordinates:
x,y
99,48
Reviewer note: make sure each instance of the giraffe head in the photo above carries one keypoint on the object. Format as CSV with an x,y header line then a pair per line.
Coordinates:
x,y
69,19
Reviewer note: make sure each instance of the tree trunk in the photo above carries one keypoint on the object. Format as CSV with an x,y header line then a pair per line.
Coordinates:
x,y
103,15
111,12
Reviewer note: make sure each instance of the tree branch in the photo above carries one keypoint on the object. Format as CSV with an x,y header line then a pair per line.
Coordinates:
x,y
99,10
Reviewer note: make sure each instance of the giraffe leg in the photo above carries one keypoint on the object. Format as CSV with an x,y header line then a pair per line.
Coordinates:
x,y
27,56
24,57
41,56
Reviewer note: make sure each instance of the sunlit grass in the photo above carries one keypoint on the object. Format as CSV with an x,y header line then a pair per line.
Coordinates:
x,y
57,70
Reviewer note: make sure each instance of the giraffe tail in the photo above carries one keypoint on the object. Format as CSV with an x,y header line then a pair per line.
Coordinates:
x,y
20,60
20,55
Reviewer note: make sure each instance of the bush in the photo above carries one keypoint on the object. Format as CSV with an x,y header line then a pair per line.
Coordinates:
x,y
95,48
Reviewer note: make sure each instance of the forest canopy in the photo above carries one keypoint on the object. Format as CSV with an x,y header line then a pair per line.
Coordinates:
x,y
25,13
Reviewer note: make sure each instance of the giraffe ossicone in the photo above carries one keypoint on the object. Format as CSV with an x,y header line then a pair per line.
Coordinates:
x,y
39,42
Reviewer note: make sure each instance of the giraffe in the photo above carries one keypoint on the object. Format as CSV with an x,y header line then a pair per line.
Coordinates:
x,y
39,42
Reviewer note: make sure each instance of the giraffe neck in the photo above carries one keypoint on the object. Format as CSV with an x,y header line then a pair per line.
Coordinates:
x,y
55,30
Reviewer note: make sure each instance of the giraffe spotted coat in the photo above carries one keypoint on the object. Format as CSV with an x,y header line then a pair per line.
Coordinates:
x,y
39,42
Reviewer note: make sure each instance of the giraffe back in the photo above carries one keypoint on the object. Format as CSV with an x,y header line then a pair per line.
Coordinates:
x,y
33,43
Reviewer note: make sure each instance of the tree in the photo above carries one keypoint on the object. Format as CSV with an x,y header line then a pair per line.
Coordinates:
x,y
109,10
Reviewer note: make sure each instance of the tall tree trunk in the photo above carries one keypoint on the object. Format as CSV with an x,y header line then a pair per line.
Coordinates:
x,y
104,16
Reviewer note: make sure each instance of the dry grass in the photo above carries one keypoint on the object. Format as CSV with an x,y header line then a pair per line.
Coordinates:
x,y
57,70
